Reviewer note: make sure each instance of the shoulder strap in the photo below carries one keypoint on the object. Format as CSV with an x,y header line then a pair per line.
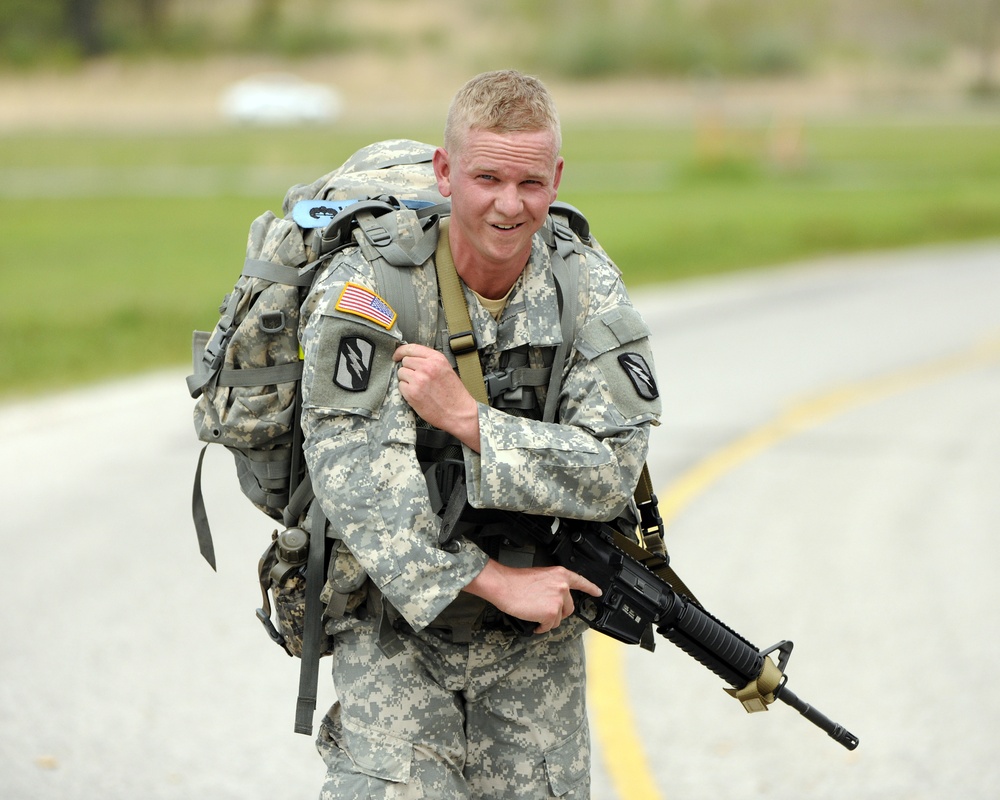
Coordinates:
x,y
461,339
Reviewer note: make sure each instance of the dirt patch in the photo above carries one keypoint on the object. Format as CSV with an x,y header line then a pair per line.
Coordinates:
x,y
182,95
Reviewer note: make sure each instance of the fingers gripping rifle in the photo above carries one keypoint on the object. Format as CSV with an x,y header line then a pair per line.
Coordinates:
x,y
636,599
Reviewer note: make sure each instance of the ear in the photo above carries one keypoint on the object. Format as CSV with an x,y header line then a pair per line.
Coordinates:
x,y
557,178
442,171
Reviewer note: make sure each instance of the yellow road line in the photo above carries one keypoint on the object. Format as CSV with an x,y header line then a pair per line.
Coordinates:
x,y
614,725
812,412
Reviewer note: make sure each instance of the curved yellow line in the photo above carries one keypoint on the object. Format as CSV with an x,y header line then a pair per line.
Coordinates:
x,y
614,725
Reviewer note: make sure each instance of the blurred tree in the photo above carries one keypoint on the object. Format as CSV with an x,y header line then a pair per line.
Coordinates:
x,y
152,17
83,19
264,19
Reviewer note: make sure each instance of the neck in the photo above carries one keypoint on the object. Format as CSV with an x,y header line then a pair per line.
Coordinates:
x,y
489,280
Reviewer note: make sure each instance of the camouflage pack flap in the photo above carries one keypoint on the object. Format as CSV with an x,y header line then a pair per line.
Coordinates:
x,y
399,168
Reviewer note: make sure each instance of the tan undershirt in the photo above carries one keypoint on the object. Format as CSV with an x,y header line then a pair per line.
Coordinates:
x,y
494,307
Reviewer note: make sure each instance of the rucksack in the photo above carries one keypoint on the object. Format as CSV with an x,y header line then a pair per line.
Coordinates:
x,y
247,370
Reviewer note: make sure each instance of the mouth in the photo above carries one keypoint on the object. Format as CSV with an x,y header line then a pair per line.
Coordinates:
x,y
506,227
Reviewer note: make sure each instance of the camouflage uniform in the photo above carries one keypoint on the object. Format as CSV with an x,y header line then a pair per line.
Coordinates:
x,y
501,715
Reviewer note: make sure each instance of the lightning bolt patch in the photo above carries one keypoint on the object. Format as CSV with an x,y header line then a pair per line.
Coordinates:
x,y
640,374
354,363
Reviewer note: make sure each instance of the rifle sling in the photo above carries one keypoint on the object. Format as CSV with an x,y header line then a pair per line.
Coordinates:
x,y
460,336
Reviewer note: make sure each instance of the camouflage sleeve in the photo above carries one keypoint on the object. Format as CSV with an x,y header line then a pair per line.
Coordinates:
x,y
359,447
587,464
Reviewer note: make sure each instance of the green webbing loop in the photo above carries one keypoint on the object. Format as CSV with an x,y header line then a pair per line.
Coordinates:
x,y
276,273
260,376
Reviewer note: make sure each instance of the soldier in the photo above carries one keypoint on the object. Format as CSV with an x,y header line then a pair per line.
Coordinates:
x,y
438,695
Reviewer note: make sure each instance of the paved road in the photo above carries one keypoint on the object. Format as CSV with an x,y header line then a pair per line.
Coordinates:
x,y
829,465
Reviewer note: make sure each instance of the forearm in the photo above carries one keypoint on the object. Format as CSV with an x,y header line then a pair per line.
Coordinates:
x,y
553,470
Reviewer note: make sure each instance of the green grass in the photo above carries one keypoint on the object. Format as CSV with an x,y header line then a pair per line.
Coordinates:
x,y
113,248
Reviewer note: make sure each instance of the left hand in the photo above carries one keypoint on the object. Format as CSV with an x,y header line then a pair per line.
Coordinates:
x,y
435,392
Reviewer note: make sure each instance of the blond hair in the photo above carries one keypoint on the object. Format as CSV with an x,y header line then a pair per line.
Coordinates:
x,y
502,101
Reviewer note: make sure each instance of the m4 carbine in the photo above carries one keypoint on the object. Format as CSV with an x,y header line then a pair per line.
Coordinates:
x,y
637,599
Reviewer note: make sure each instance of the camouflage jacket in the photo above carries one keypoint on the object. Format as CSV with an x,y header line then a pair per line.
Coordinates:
x,y
361,434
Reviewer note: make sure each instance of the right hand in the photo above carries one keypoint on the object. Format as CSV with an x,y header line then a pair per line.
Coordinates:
x,y
537,594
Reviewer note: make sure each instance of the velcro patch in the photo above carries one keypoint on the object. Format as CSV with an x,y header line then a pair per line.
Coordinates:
x,y
640,374
363,302
355,356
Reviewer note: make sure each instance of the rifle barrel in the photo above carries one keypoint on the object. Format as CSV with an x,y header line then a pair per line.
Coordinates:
x,y
835,731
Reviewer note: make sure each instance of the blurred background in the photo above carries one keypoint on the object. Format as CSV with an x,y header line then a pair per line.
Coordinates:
x,y
757,140
695,131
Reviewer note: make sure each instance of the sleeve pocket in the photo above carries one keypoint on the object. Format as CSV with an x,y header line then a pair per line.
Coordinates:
x,y
611,330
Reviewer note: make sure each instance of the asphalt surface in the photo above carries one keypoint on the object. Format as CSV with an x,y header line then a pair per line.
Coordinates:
x,y
829,462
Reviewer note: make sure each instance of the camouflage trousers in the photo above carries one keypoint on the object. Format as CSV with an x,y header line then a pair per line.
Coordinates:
x,y
501,717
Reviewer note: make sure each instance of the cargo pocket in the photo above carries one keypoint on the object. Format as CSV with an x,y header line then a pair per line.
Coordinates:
x,y
567,765
375,753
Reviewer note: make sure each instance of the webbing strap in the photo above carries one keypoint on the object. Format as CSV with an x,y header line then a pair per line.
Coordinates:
x,y
260,376
312,625
382,231
277,273
655,563
200,516
644,488
456,312
567,282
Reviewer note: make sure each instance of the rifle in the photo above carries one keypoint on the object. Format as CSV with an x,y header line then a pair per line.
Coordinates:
x,y
637,598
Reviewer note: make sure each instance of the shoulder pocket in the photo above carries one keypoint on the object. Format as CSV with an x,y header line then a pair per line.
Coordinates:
x,y
611,330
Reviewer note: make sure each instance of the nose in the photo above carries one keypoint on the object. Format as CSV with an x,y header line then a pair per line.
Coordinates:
x,y
508,200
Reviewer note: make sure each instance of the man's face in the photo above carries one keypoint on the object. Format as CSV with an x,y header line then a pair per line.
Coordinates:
x,y
501,186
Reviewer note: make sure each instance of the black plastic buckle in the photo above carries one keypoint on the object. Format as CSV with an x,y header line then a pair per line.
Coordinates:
x,y
462,343
650,520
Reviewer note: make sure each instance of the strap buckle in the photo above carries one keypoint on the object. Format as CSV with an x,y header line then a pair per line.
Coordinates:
x,y
650,521
462,343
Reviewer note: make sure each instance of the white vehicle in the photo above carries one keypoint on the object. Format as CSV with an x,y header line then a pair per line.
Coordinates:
x,y
279,99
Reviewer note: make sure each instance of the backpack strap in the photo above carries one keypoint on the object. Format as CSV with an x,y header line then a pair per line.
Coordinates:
x,y
312,624
400,238
567,280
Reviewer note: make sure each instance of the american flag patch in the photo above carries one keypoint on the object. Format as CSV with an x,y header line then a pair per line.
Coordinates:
x,y
363,302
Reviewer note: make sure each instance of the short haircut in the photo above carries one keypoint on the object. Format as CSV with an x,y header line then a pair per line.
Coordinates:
x,y
502,101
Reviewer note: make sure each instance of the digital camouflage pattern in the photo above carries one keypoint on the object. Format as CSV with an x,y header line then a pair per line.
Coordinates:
x,y
397,733
359,444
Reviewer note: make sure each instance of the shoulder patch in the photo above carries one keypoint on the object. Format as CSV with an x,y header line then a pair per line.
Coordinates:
x,y
353,369
640,374
363,302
